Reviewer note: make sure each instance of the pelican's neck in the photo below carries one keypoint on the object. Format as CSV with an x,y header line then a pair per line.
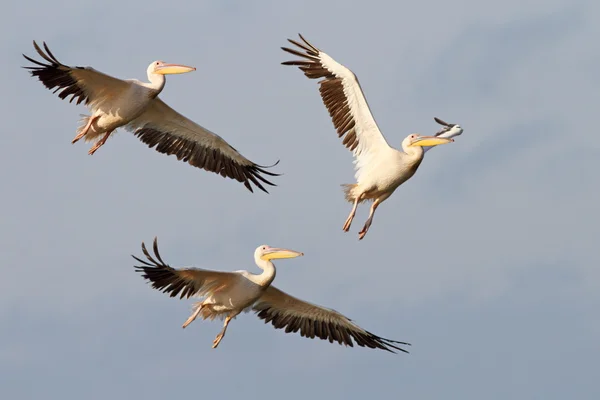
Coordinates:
x,y
157,82
268,273
415,152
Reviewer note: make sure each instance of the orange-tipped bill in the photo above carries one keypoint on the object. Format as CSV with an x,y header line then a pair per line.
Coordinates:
x,y
170,69
274,253
430,141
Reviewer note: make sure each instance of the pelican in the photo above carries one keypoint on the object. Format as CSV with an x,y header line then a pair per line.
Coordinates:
x,y
380,168
135,106
227,294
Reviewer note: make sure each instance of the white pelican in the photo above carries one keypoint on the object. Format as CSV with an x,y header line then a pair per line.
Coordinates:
x,y
227,294
380,169
135,106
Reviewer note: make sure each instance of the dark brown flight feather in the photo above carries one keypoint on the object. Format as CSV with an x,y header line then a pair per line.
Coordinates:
x,y
207,158
186,282
165,278
321,323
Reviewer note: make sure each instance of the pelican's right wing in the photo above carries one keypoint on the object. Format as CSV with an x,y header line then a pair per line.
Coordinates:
x,y
189,281
174,134
285,311
344,99
84,84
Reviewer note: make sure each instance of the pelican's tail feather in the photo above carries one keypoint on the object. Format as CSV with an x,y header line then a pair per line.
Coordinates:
x,y
91,133
350,191
207,312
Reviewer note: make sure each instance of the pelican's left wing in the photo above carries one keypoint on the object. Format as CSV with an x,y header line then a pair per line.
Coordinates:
x,y
342,95
185,282
84,84
285,311
172,133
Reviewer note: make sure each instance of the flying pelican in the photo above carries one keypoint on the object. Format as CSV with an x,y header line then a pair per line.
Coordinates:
x,y
135,106
380,169
227,294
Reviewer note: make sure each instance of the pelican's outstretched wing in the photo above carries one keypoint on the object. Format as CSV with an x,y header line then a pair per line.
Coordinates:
x,y
188,282
285,311
345,101
84,84
172,133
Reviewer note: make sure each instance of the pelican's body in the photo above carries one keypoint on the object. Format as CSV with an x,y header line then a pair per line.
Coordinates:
x,y
380,168
135,106
133,99
399,166
227,294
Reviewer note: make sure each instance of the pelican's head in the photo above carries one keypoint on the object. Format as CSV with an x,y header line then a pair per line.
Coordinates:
x,y
267,253
424,141
162,68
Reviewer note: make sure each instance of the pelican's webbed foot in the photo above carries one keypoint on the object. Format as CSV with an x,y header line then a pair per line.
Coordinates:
x,y
99,143
85,129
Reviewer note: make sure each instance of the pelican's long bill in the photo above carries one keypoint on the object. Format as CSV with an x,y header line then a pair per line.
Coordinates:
x,y
170,69
274,253
430,141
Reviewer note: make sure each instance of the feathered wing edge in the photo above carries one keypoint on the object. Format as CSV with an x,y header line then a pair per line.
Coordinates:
x,y
56,75
330,87
207,158
332,326
163,277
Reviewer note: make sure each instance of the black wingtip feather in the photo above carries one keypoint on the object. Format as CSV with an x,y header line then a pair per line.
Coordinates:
x,y
269,166
330,332
56,76
207,158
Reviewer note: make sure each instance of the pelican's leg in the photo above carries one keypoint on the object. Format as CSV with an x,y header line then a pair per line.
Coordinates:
x,y
348,222
99,143
193,316
85,129
221,334
365,228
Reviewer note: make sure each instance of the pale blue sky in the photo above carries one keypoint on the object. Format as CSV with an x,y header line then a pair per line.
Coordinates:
x,y
486,261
